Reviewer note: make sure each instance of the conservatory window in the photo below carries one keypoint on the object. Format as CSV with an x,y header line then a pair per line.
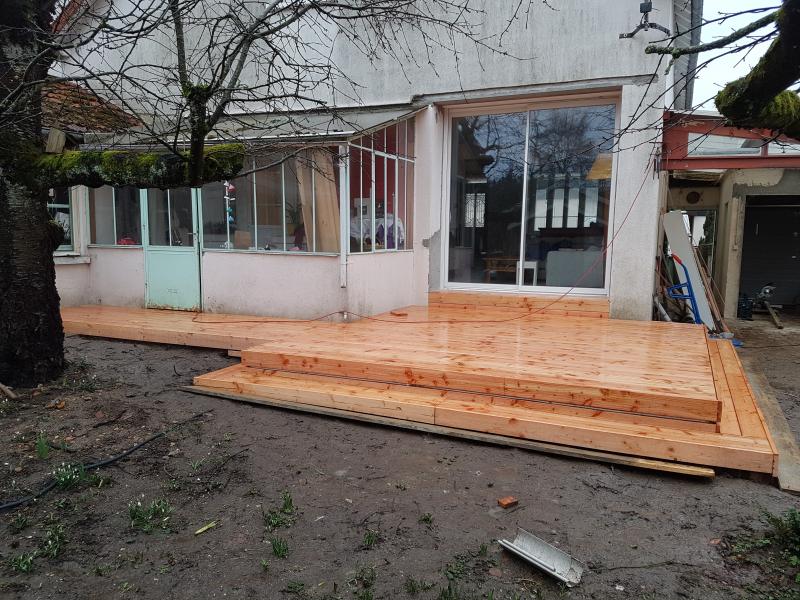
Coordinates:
x,y
115,217
288,204
59,206
381,182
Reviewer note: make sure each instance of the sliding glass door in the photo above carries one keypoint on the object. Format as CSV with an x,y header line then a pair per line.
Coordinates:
x,y
530,197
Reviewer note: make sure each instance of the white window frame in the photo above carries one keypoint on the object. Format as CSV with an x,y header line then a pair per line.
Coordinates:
x,y
283,250
114,221
524,105
70,206
404,157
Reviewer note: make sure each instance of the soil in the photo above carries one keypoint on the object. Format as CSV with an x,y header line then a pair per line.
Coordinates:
x,y
380,512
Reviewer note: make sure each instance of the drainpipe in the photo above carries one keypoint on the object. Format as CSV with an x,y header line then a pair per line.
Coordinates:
x,y
344,213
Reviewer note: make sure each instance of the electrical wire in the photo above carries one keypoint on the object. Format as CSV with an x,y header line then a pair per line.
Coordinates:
x,y
96,465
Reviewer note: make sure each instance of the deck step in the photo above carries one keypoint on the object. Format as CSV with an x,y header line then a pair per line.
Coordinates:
x,y
514,420
597,363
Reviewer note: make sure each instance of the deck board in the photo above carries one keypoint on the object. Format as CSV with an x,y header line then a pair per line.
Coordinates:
x,y
501,366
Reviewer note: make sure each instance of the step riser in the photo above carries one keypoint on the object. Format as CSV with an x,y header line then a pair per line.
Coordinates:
x,y
590,394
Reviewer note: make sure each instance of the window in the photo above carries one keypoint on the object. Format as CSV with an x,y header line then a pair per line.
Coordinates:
x,y
170,217
60,209
115,218
381,174
530,195
290,205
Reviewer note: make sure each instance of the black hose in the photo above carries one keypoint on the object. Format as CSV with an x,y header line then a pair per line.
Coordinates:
x,y
96,465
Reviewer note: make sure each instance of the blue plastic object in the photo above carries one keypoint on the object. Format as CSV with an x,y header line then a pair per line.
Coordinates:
x,y
676,291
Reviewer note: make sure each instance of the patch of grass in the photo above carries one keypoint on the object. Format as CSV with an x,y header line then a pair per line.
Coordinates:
x,y
96,480
22,563
274,519
125,587
280,547
284,516
287,503
452,592
371,537
776,553
101,570
7,407
42,446
483,550
264,565
456,569
362,582
68,476
19,523
427,520
415,586
54,540
148,517
295,587
196,464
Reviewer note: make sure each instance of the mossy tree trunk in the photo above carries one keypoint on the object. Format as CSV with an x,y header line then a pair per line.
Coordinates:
x,y
31,333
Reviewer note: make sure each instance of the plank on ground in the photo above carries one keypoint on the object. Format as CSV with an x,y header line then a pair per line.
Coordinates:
x,y
265,382
716,450
710,449
787,465
554,449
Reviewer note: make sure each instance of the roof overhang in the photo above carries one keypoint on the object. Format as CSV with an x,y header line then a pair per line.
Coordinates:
x,y
684,134
290,128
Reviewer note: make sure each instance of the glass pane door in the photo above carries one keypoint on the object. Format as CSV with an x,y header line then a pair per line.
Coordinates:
x,y
568,193
486,198
172,257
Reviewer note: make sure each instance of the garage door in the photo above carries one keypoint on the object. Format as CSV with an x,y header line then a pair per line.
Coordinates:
x,y
771,247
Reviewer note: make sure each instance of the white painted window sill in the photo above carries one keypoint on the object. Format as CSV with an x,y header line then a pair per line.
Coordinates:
x,y
71,259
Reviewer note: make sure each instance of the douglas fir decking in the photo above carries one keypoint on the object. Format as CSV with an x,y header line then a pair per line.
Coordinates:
x,y
521,368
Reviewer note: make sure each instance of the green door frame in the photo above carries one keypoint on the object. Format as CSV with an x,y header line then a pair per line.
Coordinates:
x,y
172,268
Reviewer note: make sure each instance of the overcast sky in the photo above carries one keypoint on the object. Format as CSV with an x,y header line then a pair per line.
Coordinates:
x,y
726,68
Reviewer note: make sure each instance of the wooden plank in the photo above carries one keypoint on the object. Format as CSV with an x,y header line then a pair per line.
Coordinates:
x,y
750,421
586,392
343,396
527,301
553,449
787,464
729,423
265,379
710,449
716,450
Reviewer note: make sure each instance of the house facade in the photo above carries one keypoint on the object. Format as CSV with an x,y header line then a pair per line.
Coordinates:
x,y
530,175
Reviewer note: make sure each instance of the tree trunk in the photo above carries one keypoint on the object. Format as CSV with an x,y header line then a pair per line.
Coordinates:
x,y
31,332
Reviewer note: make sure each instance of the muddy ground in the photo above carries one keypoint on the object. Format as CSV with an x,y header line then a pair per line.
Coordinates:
x,y
378,512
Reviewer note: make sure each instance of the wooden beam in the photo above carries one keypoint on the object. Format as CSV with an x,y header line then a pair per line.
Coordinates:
x,y
787,465
545,448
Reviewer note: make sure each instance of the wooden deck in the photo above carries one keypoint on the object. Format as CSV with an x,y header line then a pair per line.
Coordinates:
x,y
521,368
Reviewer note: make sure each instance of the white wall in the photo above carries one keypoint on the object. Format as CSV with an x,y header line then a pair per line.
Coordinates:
x,y
72,281
277,285
116,276
380,282
636,216
575,41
